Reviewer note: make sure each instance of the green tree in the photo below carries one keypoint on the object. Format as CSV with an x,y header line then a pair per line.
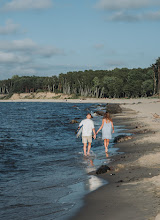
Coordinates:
x,y
147,87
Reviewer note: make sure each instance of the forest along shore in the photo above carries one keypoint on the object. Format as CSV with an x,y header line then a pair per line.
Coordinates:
x,y
122,82
134,179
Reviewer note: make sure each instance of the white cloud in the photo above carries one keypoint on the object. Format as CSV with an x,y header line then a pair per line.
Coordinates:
x,y
12,58
24,70
9,28
124,16
20,5
30,47
130,17
125,4
130,10
18,45
26,57
152,16
49,51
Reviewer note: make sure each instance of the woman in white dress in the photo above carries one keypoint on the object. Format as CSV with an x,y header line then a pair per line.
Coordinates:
x,y
107,130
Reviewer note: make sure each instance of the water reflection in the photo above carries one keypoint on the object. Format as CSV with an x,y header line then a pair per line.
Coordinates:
x,y
89,161
107,155
93,183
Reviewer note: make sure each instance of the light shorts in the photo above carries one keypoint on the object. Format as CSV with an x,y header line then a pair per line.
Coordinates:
x,y
86,139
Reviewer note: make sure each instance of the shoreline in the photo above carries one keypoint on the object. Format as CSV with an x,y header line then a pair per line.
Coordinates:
x,y
122,101
133,190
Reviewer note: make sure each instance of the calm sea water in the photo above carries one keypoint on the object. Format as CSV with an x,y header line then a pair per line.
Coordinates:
x,y
43,174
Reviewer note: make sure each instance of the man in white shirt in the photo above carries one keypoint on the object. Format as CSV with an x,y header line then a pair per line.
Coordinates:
x,y
88,127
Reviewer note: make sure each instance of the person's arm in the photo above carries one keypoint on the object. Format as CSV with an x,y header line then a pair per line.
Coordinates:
x,y
112,127
80,125
94,132
100,127
77,129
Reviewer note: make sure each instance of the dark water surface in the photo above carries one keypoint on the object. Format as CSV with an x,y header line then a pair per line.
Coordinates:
x,y
43,174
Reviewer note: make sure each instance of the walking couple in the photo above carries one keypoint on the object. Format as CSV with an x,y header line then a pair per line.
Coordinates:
x,y
88,127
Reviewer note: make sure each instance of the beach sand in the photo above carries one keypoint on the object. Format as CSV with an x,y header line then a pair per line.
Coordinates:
x,y
133,191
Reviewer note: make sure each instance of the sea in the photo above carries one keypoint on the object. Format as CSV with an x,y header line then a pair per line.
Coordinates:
x,y
43,173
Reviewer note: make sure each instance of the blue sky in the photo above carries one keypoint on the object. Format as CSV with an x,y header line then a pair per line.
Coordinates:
x,y
49,37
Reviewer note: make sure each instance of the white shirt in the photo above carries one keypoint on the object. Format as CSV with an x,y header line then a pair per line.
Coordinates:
x,y
88,125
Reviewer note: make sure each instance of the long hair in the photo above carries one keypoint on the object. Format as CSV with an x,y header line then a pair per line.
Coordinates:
x,y
107,116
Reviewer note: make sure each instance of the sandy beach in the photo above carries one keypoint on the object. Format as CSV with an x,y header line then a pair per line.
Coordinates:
x,y
133,191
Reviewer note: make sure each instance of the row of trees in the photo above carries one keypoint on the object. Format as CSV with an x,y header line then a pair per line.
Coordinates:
x,y
100,83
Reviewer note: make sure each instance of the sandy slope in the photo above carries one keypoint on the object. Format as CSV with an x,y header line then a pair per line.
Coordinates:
x,y
39,95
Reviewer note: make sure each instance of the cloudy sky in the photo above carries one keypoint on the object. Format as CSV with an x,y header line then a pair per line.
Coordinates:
x,y
48,37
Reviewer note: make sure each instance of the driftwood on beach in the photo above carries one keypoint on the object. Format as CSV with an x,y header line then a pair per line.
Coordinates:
x,y
155,115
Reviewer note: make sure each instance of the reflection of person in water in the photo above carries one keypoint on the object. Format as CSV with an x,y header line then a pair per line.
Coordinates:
x,y
89,161
107,130
107,155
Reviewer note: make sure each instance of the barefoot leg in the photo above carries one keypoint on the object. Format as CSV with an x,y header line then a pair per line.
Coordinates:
x,y
84,148
106,143
89,147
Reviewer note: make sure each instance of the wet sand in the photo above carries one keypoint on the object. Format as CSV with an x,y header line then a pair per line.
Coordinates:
x,y
133,191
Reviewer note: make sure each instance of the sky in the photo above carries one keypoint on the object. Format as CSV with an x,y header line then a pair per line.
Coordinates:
x,y
49,37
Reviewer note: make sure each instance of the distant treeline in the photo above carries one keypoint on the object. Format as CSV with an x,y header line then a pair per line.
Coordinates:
x,y
99,83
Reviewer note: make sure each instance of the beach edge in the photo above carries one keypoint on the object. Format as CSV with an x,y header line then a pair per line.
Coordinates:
x,y
126,195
